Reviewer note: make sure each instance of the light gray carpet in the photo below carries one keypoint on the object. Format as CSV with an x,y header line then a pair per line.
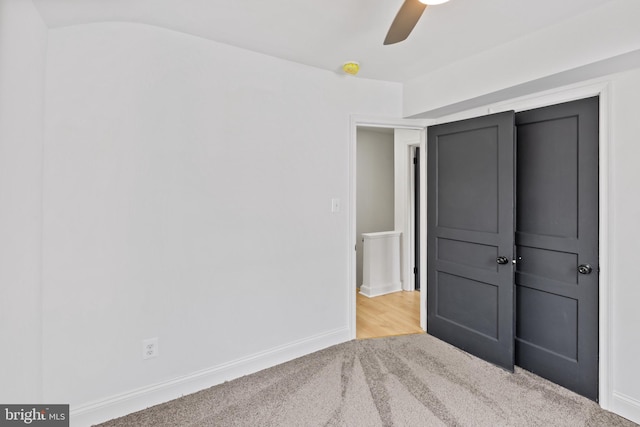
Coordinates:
x,y
412,380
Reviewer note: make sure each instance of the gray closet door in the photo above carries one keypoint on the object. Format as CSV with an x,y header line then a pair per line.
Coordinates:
x,y
557,244
470,210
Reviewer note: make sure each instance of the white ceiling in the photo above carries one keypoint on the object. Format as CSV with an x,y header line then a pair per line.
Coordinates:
x,y
326,33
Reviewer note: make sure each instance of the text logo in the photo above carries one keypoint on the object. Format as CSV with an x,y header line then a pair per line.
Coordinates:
x,y
34,415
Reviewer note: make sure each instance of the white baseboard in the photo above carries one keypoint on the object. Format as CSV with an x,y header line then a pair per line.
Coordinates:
x,y
380,289
135,400
626,406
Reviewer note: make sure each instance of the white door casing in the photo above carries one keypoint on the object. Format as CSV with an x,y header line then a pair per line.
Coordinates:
x,y
411,133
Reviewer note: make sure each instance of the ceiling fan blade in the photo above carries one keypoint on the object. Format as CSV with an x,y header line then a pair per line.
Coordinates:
x,y
407,18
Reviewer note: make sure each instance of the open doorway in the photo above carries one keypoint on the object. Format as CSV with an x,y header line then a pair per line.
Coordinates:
x,y
388,200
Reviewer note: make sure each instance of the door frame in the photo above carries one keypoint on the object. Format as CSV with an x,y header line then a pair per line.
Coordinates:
x,y
403,215
601,88
402,209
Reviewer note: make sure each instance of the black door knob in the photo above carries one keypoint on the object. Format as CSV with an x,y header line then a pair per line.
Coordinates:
x,y
584,269
502,260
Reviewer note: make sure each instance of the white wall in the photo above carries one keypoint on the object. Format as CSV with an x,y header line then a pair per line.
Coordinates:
x,y
374,187
587,46
23,41
187,189
624,211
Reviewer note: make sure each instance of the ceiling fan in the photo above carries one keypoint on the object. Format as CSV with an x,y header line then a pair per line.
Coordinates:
x,y
407,18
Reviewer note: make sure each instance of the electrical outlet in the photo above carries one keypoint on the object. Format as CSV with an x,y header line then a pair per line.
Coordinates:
x,y
150,348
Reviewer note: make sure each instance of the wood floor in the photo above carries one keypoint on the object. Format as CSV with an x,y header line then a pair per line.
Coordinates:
x,y
392,314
